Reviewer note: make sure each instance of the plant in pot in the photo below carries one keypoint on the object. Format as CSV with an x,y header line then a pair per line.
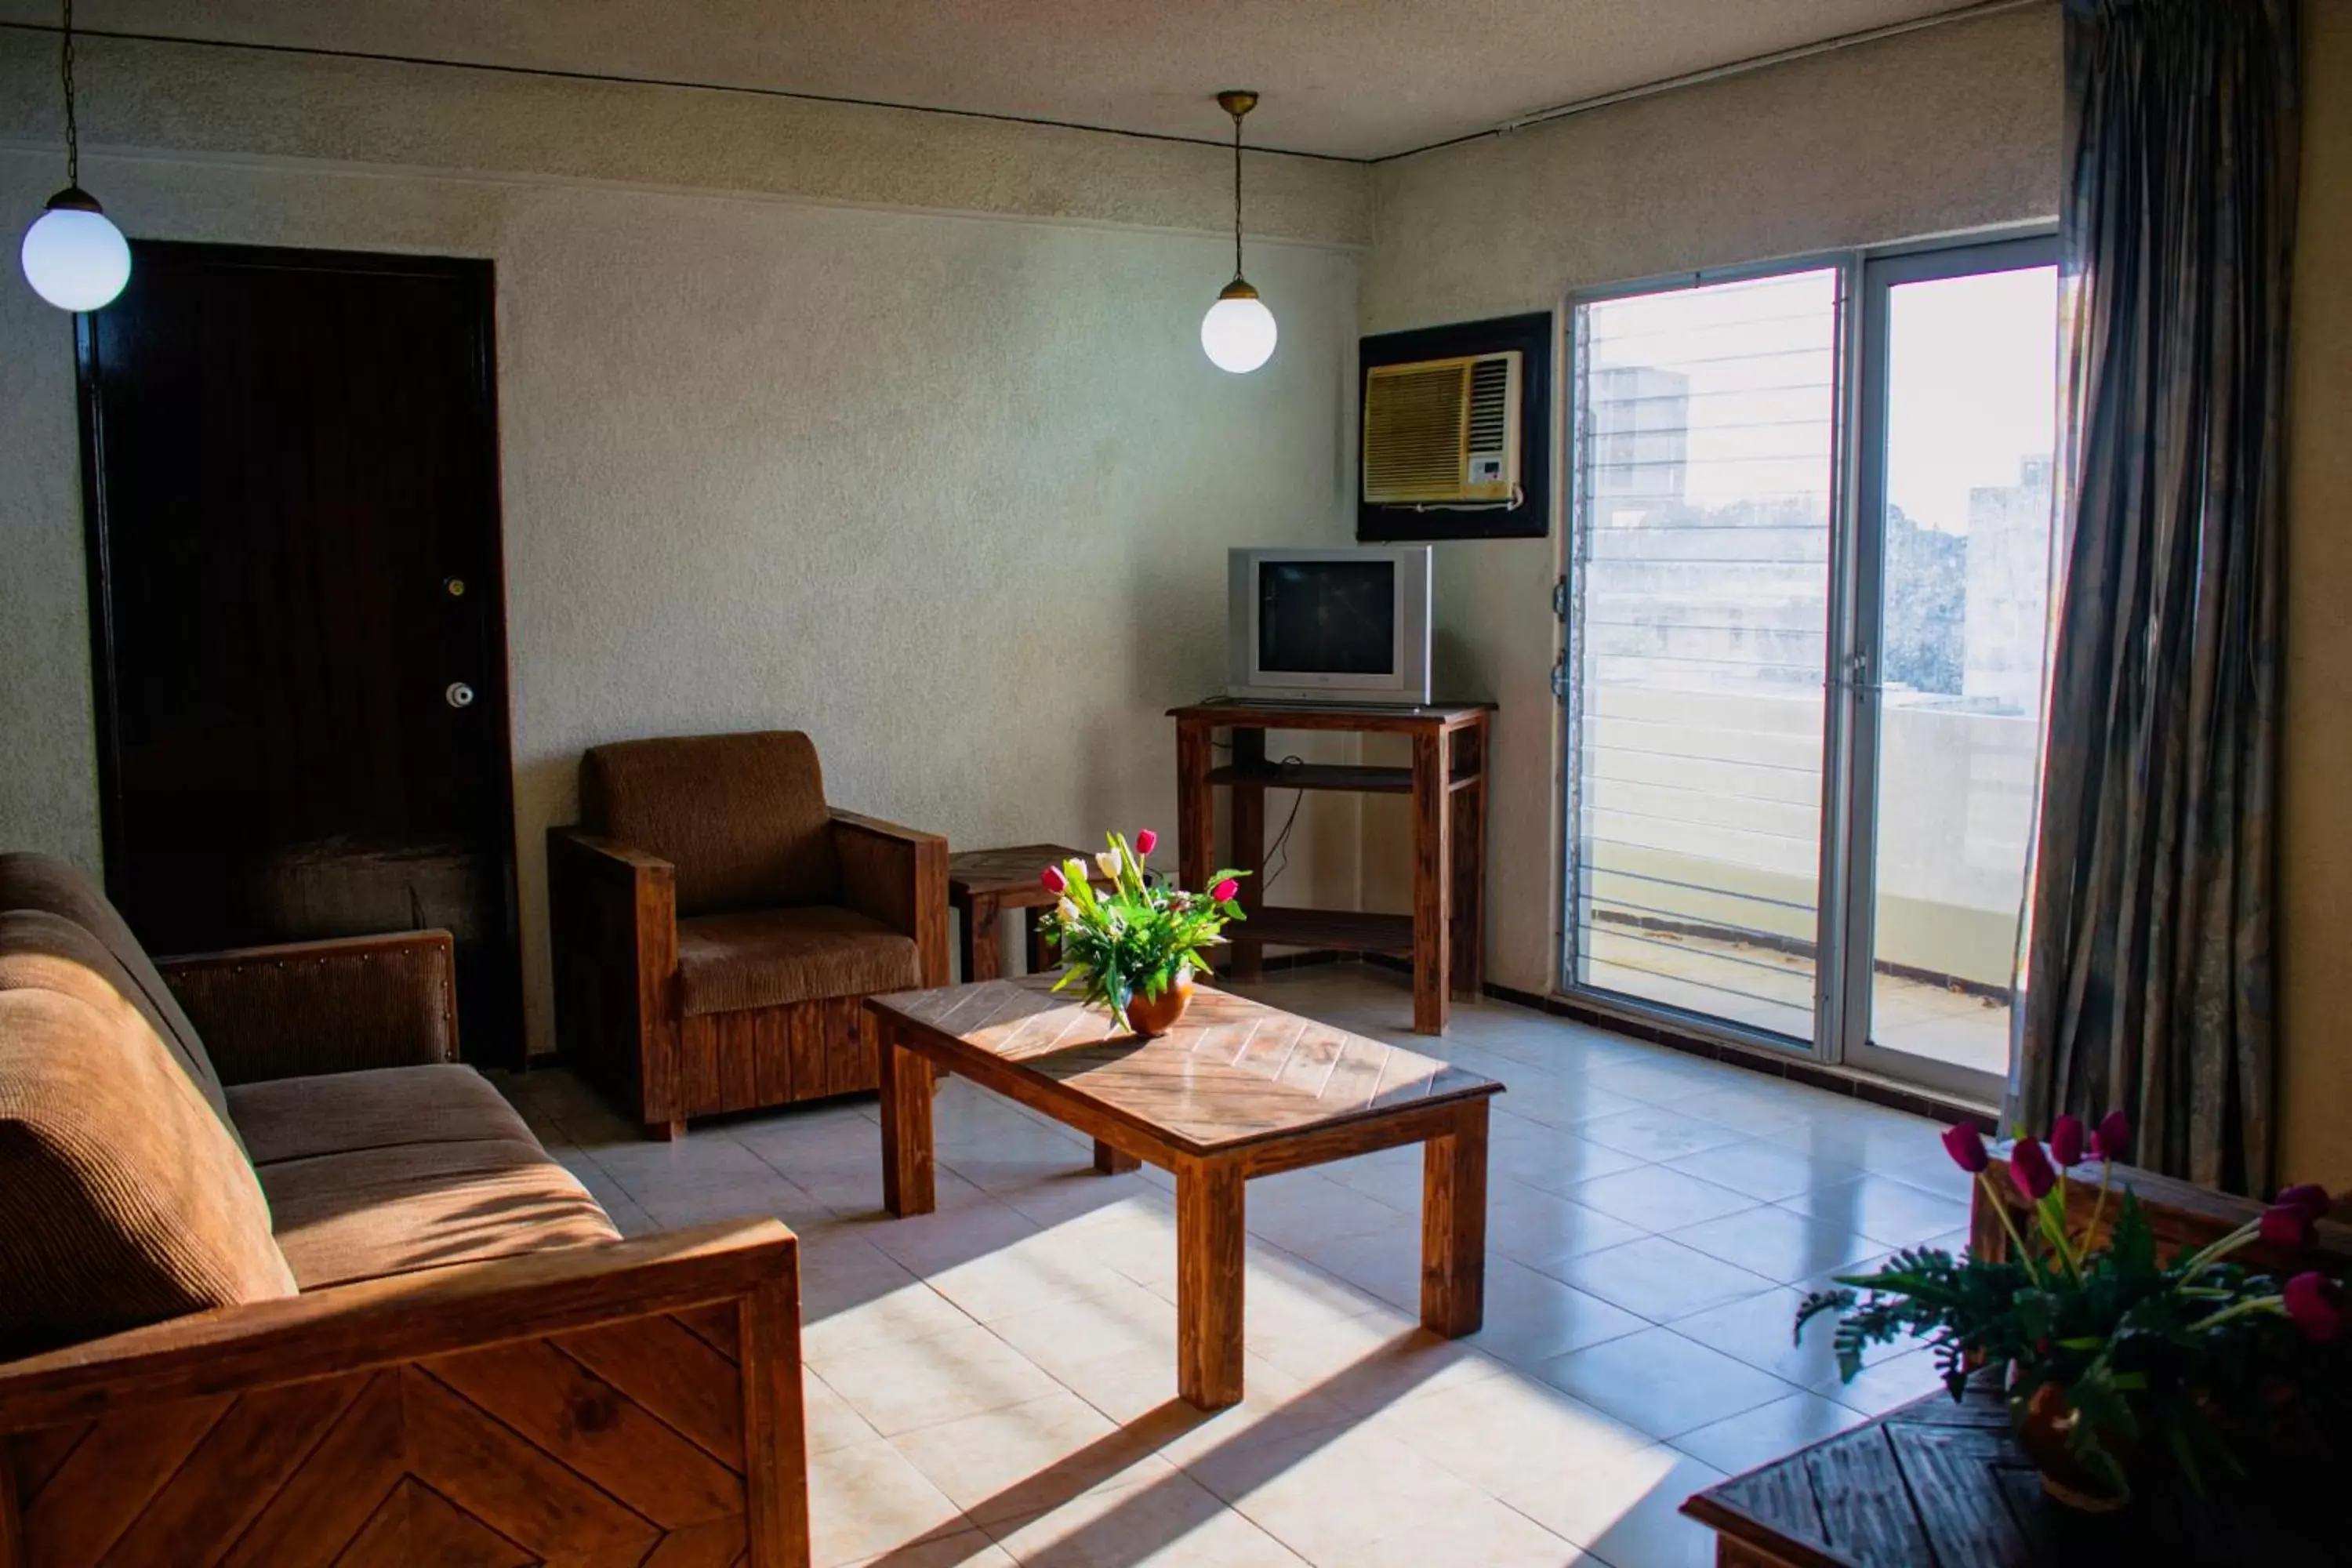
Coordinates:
x,y
2115,1362
1134,946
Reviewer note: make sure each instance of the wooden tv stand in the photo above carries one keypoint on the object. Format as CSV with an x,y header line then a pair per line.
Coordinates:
x,y
1445,934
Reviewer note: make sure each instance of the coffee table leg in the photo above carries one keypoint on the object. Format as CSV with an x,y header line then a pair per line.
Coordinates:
x,y
1111,1163
906,1084
1453,1226
1208,1283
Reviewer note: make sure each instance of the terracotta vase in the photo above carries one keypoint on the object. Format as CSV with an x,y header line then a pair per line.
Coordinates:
x,y
2041,1421
1155,1016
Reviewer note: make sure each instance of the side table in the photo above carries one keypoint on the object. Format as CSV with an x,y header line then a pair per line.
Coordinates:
x,y
983,883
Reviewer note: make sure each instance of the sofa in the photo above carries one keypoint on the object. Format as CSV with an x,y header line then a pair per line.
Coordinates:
x,y
715,927
282,1281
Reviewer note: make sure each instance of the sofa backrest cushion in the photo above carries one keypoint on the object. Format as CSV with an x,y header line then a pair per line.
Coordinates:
x,y
122,1199
44,882
742,818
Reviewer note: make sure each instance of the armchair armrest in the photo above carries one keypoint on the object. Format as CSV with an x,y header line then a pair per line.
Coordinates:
x,y
588,1402
899,877
613,940
307,1007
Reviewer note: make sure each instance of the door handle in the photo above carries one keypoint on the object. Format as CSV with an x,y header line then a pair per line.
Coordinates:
x,y
458,695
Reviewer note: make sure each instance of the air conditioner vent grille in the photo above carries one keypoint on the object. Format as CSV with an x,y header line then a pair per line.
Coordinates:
x,y
1413,431
1490,413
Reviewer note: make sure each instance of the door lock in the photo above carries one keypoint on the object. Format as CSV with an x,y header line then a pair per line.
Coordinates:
x,y
458,695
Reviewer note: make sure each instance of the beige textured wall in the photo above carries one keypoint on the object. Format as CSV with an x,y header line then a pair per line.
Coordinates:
x,y
2316,830
1949,128
950,491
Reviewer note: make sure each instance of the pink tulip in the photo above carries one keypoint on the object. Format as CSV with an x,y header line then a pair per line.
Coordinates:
x,y
1145,843
2113,1139
1966,1146
2283,1224
1056,883
2307,1198
2066,1140
1223,891
2315,1302
2029,1167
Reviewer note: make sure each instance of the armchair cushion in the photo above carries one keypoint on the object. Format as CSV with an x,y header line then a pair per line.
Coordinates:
x,y
128,1202
367,1213
767,958
381,1107
741,818
52,886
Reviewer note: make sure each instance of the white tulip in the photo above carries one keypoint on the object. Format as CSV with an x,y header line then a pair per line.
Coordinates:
x,y
1110,864
1068,911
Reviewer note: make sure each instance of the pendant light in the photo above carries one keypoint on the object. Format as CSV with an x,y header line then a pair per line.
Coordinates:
x,y
1238,332
73,255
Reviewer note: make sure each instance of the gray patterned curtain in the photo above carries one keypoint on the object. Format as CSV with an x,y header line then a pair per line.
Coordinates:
x,y
2148,972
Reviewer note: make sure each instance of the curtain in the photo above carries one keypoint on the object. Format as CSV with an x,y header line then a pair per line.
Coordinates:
x,y
2149,972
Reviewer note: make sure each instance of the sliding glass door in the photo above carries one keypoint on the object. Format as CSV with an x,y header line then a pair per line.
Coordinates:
x,y
1808,567
1704,431
1958,413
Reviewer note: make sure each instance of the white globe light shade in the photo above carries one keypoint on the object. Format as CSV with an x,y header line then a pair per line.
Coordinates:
x,y
1238,334
75,257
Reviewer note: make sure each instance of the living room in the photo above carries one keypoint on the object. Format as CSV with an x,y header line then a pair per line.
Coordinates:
x,y
845,377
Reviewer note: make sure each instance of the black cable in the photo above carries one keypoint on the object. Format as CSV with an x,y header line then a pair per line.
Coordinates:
x,y
1282,839
73,132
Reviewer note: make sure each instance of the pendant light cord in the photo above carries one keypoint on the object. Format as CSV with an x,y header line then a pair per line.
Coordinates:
x,y
1237,187
73,132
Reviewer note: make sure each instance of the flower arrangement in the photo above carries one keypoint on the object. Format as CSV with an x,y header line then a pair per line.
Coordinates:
x,y
1140,938
2109,1355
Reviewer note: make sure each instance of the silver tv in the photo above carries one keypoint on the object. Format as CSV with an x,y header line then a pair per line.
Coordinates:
x,y
1329,625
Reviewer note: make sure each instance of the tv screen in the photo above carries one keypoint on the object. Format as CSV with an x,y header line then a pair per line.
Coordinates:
x,y
1327,617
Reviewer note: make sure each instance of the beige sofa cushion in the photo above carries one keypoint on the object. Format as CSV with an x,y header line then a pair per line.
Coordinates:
x,y
52,886
764,958
127,1201
371,1212
378,1108
742,818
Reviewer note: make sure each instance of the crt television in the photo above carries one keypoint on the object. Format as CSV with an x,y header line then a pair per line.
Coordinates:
x,y
1329,625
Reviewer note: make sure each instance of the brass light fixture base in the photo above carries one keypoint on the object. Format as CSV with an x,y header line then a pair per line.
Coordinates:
x,y
1238,101
1238,288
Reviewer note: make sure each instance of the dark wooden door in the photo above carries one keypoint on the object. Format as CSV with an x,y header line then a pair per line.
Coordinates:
x,y
291,468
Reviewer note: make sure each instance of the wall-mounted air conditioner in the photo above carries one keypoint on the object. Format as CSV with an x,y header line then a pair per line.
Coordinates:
x,y
1443,431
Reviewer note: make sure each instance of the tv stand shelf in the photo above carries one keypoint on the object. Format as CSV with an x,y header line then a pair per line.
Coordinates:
x,y
1445,935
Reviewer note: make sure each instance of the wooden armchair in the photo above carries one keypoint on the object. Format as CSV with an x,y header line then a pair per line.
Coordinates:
x,y
716,925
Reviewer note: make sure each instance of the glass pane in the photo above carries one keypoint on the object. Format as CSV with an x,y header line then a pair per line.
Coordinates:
x,y
1706,454
1971,396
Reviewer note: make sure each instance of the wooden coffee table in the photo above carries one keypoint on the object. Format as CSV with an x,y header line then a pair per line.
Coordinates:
x,y
1236,1089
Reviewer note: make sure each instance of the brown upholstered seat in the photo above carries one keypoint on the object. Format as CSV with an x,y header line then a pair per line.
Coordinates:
x,y
766,958
373,1212
380,1108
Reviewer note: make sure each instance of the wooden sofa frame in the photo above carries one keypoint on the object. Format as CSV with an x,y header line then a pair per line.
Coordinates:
x,y
612,929
632,1403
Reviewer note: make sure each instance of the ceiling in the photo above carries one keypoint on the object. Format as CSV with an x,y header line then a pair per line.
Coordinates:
x,y
1348,78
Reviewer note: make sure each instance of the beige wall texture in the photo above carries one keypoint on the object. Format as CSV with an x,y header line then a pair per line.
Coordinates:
x,y
1942,130
2316,829
951,489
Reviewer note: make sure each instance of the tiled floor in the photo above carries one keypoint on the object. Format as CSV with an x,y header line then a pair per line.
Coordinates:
x,y
995,1383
